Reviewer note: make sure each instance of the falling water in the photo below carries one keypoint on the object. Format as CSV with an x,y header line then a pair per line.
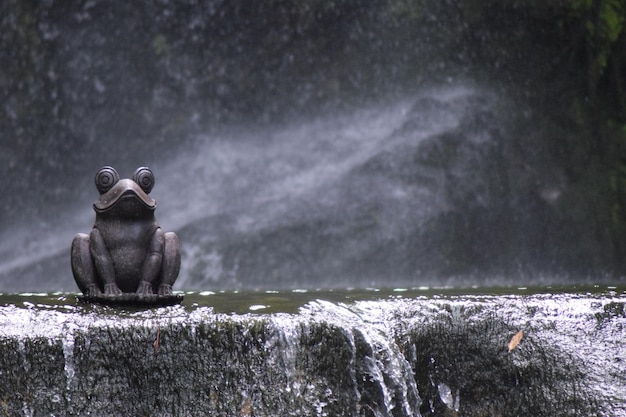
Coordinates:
x,y
278,206
296,144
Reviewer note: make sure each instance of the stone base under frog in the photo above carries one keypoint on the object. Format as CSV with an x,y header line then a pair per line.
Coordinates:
x,y
133,300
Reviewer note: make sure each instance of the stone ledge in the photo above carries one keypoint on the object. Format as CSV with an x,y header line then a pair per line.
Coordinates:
x,y
439,356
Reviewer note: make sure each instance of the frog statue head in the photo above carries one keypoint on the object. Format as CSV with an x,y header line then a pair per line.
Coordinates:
x,y
126,258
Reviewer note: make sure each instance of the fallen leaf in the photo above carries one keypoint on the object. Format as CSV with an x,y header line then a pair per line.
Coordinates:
x,y
515,340
157,341
246,408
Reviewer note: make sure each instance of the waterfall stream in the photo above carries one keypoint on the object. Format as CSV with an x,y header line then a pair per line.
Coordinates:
x,y
307,144
280,206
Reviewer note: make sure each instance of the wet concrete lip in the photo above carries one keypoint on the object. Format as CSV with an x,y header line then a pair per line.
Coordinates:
x,y
291,301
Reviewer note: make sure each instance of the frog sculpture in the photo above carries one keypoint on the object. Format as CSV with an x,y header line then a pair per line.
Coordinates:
x,y
127,258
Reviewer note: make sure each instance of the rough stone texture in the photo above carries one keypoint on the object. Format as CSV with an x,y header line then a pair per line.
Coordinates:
x,y
438,356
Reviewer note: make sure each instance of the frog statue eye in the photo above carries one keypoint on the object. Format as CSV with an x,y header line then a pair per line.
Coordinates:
x,y
106,178
145,178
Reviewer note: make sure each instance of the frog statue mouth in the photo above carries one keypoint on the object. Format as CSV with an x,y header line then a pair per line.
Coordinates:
x,y
112,189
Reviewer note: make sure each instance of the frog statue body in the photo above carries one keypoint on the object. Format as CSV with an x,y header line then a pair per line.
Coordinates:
x,y
126,255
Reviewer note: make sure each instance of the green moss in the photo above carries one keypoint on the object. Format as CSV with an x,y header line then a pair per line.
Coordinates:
x,y
161,46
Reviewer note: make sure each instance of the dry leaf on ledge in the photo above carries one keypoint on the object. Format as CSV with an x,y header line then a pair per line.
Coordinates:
x,y
515,340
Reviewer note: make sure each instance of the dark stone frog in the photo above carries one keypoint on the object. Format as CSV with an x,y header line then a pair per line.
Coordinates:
x,y
126,251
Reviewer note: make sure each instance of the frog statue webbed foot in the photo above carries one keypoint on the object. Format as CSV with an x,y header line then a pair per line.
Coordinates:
x,y
127,256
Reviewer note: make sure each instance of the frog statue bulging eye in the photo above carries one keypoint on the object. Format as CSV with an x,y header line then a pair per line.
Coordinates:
x,y
144,178
106,178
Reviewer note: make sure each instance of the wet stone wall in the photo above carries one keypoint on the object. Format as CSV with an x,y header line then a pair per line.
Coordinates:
x,y
540,355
